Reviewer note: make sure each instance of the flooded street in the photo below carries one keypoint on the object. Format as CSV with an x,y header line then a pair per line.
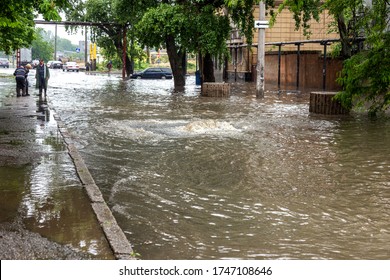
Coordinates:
x,y
189,177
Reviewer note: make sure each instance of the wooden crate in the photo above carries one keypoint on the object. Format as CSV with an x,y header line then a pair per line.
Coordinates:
x,y
216,89
323,103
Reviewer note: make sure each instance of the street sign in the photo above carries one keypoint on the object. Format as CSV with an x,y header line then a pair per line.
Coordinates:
x,y
78,50
261,23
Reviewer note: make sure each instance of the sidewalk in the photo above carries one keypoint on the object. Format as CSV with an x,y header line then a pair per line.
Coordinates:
x,y
50,207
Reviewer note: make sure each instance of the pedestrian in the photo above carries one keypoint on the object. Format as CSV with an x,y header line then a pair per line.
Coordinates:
x,y
42,76
109,66
27,68
20,77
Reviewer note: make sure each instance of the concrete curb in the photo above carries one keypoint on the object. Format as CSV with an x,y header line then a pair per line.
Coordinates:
x,y
120,246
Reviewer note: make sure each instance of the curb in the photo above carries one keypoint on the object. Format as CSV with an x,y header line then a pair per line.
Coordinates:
x,y
119,244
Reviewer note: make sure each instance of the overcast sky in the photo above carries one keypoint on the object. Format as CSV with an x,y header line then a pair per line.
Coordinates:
x,y
61,32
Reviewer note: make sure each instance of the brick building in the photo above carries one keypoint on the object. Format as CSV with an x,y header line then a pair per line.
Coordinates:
x,y
298,63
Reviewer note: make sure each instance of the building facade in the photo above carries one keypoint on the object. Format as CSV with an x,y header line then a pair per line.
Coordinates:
x,y
289,54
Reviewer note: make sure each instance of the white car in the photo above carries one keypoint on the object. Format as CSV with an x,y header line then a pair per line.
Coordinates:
x,y
71,66
4,63
35,63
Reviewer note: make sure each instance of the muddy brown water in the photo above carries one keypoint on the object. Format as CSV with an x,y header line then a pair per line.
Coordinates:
x,y
189,177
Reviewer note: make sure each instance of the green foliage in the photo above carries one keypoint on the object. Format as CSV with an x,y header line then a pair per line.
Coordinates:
x,y
196,25
303,12
213,31
159,22
17,20
106,36
241,13
366,76
42,48
335,50
118,13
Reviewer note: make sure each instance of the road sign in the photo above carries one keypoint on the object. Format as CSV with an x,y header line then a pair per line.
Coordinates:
x,y
261,23
78,50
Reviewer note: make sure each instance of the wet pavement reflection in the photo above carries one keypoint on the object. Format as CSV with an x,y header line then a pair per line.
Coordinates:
x,y
41,188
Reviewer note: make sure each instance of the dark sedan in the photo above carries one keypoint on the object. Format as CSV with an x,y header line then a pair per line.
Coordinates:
x,y
56,65
153,73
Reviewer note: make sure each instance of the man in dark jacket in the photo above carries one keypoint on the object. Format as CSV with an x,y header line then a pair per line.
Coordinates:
x,y
20,77
42,76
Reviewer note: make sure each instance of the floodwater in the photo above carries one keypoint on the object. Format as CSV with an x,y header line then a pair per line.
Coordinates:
x,y
189,177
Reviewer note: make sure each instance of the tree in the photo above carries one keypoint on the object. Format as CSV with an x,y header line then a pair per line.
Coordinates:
x,y
41,48
114,16
201,26
167,26
17,20
366,76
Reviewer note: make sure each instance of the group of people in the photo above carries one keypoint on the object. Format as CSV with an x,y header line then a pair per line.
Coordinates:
x,y
21,76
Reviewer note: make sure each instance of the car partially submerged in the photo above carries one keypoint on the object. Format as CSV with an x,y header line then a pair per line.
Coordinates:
x,y
153,73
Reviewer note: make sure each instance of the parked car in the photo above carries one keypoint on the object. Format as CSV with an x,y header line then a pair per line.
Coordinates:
x,y
4,63
71,66
153,73
55,65
48,64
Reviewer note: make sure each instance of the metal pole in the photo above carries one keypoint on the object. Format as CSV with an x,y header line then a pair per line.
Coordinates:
x,y
55,42
298,62
85,46
260,54
235,63
324,67
279,63
18,58
225,69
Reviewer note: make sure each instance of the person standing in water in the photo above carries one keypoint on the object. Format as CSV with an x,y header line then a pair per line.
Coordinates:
x,y
42,76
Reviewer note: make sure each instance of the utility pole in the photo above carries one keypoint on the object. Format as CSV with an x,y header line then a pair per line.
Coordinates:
x,y
261,25
85,46
55,43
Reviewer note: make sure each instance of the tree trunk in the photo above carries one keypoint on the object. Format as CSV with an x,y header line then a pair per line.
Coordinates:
x,y
208,69
129,65
176,62
345,45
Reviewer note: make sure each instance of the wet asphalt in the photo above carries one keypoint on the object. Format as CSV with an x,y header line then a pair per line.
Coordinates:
x,y
24,126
